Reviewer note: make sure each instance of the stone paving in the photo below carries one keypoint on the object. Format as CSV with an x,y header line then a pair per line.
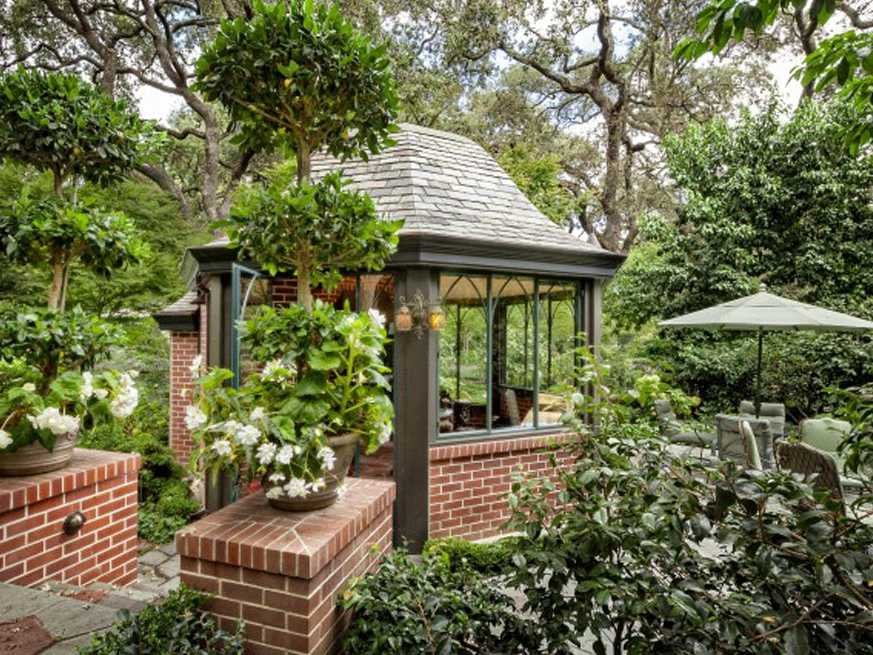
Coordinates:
x,y
71,620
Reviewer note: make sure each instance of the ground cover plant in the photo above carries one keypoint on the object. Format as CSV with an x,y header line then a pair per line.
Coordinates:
x,y
178,625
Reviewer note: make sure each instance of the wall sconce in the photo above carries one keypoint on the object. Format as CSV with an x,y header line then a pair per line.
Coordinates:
x,y
417,316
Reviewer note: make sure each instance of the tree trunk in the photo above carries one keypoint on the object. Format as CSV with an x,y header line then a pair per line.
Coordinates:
x,y
304,291
56,290
304,260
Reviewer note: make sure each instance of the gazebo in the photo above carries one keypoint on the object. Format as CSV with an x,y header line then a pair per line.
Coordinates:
x,y
484,298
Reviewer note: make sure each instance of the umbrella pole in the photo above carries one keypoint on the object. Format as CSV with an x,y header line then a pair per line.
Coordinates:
x,y
758,377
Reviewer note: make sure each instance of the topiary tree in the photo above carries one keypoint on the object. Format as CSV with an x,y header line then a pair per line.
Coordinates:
x,y
49,230
61,124
324,229
298,73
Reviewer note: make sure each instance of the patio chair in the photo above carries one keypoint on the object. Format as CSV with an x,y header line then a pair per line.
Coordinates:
x,y
510,401
773,412
731,445
826,434
671,428
808,461
750,447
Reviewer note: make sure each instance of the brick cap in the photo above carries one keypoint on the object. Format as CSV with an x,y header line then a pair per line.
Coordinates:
x,y
86,468
497,446
252,534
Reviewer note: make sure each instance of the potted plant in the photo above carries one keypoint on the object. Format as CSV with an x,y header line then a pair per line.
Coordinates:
x,y
296,423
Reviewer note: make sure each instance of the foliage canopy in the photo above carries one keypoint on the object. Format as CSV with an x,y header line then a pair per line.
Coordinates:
x,y
302,71
60,123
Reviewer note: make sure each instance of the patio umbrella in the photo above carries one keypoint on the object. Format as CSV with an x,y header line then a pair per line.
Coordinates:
x,y
763,312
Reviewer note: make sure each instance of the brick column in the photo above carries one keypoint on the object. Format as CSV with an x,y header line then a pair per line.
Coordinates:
x,y
282,572
33,545
184,347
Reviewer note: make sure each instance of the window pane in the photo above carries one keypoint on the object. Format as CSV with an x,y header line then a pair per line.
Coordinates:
x,y
512,351
463,368
557,343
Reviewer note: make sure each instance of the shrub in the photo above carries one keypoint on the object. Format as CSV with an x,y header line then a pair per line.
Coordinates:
x,y
177,626
457,554
430,608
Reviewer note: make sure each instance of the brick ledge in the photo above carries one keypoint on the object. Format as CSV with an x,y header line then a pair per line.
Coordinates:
x,y
253,535
87,467
498,446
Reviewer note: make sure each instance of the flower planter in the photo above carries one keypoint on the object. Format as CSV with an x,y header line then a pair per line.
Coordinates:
x,y
344,448
35,459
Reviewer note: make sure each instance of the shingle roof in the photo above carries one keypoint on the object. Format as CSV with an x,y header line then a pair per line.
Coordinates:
x,y
184,306
446,185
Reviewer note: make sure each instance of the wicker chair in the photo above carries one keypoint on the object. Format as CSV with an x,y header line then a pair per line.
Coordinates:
x,y
511,402
808,462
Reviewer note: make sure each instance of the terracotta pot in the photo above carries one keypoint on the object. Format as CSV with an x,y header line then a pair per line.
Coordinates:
x,y
35,459
344,447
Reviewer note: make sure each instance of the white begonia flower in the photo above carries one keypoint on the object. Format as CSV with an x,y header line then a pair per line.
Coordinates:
x,y
53,420
29,387
316,485
258,414
271,368
222,447
385,432
87,389
5,439
229,427
377,317
266,453
101,394
296,488
277,478
194,417
196,367
247,435
327,457
285,455
126,399
274,493
341,490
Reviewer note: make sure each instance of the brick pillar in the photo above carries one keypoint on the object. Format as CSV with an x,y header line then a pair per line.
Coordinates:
x,y
282,572
184,347
33,545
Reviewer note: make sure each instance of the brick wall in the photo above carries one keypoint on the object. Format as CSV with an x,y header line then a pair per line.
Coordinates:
x,y
184,347
283,291
33,545
282,572
469,482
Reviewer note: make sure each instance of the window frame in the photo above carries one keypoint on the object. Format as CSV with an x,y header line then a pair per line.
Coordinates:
x,y
489,432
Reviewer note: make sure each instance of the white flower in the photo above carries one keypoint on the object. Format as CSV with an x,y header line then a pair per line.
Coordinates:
x,y
385,432
248,435
230,427
101,393
316,485
272,369
258,414
266,453
578,399
341,490
222,447
295,488
52,419
285,455
87,389
196,367
277,478
377,317
29,387
5,439
274,492
127,397
327,457
194,417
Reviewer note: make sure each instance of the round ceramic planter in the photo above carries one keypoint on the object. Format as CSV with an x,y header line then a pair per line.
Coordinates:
x,y
35,459
344,448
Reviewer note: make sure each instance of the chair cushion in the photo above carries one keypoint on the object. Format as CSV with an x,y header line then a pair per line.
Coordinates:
x,y
693,438
824,433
